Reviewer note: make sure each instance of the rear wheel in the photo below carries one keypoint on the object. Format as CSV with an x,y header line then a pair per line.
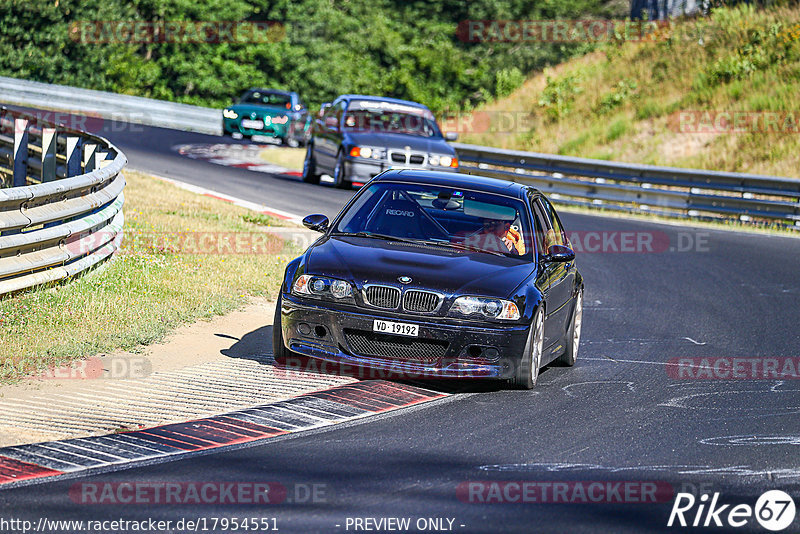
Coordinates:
x,y
573,334
310,175
528,369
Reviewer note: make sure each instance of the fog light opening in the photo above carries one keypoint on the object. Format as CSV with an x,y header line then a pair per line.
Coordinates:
x,y
320,331
304,329
475,351
491,354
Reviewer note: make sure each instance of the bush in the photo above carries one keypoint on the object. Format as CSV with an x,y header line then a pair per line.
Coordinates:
x,y
623,91
559,95
508,80
617,129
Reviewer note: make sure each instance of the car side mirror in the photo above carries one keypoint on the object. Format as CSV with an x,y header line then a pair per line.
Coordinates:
x,y
322,109
331,122
316,222
451,136
559,254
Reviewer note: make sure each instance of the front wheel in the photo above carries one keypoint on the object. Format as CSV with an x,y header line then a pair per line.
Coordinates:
x,y
339,173
528,369
573,334
279,350
310,175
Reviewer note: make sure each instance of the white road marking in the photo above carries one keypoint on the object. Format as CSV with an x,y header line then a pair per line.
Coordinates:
x,y
695,342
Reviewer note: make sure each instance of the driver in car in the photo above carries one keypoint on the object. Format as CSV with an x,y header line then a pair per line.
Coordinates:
x,y
502,236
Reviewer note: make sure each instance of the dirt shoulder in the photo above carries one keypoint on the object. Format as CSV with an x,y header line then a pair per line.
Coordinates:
x,y
205,368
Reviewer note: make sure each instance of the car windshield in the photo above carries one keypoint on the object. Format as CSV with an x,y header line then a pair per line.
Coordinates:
x,y
440,216
388,117
267,99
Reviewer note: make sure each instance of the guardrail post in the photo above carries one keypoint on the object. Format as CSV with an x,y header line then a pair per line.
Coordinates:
x,y
20,152
73,156
48,154
89,151
100,160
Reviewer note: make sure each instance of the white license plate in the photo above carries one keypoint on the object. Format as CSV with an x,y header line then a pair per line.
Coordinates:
x,y
252,125
400,329
258,138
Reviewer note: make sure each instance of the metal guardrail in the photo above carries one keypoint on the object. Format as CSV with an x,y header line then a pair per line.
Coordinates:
x,y
60,201
123,108
668,191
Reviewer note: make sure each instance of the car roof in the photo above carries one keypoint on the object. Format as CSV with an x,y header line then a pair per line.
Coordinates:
x,y
382,99
456,180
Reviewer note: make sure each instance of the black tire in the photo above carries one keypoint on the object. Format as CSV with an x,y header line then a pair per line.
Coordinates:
x,y
310,175
306,139
528,370
573,334
338,172
291,139
279,350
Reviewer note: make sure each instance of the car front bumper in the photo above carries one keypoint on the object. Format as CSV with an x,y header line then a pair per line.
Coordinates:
x,y
363,170
315,330
273,130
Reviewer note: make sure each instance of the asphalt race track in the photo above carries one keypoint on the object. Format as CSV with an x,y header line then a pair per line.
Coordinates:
x,y
628,413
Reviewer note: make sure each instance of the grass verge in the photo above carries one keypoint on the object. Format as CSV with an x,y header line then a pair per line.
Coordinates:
x,y
168,272
717,92
291,158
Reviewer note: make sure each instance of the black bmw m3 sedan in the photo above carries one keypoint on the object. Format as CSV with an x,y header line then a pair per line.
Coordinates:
x,y
434,275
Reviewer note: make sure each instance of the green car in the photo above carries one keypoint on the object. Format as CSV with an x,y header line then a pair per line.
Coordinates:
x,y
268,114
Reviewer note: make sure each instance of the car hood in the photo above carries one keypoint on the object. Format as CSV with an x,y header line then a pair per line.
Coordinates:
x,y
368,260
436,145
260,111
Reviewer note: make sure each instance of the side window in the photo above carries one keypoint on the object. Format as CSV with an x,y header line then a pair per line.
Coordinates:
x,y
339,110
554,234
539,226
333,115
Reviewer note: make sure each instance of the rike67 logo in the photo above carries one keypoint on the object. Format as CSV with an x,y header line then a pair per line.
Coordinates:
x,y
774,510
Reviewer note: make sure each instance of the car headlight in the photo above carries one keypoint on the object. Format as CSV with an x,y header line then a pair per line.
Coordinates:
x,y
442,161
366,152
230,114
322,287
485,307
281,119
